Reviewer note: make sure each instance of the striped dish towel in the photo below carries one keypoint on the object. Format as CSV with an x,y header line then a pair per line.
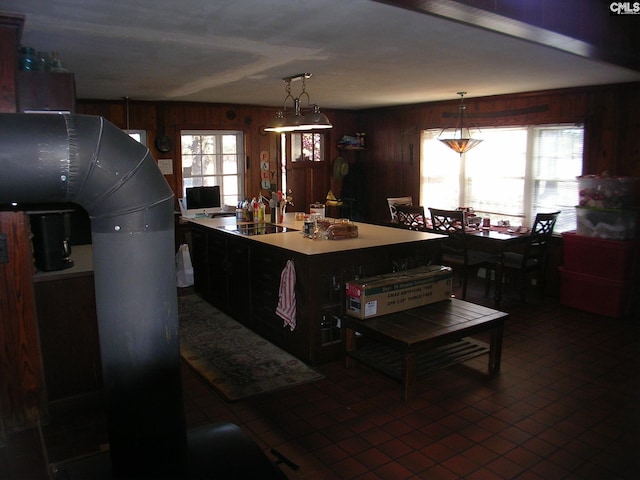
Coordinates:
x,y
286,308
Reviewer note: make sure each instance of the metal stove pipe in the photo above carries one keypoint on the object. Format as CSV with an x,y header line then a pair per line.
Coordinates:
x,y
49,158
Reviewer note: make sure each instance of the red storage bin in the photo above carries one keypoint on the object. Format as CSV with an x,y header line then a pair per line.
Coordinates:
x,y
599,295
609,259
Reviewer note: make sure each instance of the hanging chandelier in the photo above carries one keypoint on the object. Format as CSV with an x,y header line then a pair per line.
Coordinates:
x,y
460,139
308,117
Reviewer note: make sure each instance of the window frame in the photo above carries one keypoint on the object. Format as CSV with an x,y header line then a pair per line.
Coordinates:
x,y
141,133
528,152
226,198
287,161
317,147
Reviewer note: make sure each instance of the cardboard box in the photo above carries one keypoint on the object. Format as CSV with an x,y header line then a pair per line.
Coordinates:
x,y
394,292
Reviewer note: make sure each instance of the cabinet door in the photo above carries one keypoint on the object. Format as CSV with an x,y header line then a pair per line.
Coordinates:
x,y
267,266
217,271
68,326
238,281
200,261
46,91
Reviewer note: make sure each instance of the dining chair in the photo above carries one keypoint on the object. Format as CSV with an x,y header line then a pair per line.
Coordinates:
x,y
411,217
454,250
532,256
393,202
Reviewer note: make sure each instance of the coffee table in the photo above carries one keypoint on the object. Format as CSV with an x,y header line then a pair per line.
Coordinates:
x,y
421,340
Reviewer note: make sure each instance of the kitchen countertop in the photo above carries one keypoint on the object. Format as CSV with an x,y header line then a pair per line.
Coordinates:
x,y
368,236
82,256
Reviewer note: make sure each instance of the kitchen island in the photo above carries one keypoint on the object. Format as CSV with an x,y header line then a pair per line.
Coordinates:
x,y
238,269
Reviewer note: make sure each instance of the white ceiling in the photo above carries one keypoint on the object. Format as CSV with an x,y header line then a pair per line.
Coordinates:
x,y
361,53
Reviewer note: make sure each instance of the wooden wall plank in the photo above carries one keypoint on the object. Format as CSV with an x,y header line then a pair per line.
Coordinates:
x,y
10,33
22,390
611,127
608,112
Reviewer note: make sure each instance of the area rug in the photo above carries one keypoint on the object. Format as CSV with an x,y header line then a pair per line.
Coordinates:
x,y
234,360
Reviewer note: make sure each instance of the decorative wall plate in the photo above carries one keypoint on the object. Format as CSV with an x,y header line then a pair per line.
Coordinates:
x,y
164,143
340,168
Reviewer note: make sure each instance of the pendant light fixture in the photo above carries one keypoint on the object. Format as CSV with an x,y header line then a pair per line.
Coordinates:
x,y
299,118
460,139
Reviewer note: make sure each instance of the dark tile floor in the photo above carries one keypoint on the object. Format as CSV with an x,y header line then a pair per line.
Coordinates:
x,y
566,404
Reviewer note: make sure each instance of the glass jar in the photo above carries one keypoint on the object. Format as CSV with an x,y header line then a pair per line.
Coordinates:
x,y
56,63
28,59
43,62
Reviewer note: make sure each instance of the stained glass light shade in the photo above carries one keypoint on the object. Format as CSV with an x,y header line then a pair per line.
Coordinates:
x,y
460,139
460,145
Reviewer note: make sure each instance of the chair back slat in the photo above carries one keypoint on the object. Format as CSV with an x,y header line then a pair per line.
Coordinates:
x,y
411,217
447,221
454,251
450,223
393,202
543,228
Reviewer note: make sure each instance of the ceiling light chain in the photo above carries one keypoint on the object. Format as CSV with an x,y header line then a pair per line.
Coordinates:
x,y
284,122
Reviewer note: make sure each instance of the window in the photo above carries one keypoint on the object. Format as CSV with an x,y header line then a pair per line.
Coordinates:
x,y
138,135
306,147
513,174
214,158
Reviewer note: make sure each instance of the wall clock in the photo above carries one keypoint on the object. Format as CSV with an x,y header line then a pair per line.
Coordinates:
x,y
164,143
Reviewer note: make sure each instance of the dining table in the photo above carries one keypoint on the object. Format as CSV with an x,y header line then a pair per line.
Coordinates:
x,y
496,240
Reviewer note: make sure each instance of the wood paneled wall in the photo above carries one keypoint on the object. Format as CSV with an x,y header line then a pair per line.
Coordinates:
x,y
22,390
609,113
392,158
169,118
10,33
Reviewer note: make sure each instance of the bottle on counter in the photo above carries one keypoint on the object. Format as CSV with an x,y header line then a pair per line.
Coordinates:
x,y
273,205
255,209
247,212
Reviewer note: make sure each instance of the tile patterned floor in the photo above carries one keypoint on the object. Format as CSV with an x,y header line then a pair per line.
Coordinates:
x,y
566,404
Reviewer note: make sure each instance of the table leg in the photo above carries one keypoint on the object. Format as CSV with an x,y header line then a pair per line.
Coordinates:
x,y
499,268
350,346
495,348
408,376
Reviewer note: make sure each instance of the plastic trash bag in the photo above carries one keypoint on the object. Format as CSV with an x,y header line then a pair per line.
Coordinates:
x,y
184,269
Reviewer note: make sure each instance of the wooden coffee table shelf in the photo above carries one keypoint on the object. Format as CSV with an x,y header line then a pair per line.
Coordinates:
x,y
412,343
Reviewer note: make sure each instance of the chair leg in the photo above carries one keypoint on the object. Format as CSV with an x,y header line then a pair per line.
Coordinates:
x,y
541,279
487,281
464,285
523,286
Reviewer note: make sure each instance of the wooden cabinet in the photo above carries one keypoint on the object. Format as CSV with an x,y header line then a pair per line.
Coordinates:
x,y
201,265
68,326
217,281
267,267
221,273
241,277
238,274
10,33
46,91
22,390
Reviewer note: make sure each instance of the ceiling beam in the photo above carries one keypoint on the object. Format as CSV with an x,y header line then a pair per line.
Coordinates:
x,y
582,27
